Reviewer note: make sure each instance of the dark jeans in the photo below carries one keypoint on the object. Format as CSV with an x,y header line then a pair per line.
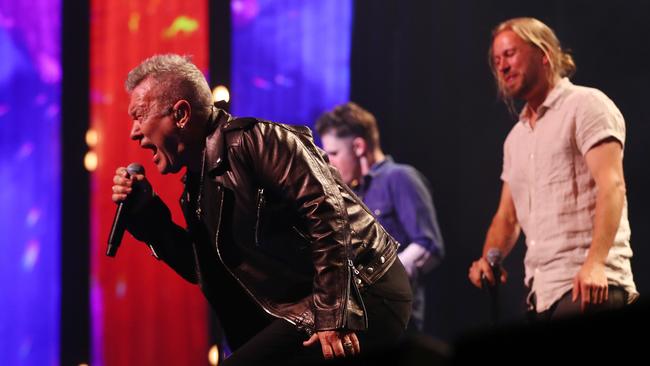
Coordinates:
x,y
564,307
388,306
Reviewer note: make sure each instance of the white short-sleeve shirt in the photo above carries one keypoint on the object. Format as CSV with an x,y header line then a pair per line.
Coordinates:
x,y
554,193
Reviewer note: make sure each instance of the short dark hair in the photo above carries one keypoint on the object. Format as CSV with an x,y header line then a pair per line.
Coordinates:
x,y
350,120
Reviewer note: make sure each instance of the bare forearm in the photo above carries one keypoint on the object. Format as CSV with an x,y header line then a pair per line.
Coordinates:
x,y
605,162
502,234
609,206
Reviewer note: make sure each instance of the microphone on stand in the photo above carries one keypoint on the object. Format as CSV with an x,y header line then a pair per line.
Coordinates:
x,y
122,214
494,259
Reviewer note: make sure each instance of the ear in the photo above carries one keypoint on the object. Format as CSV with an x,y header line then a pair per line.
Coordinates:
x,y
545,60
181,112
359,146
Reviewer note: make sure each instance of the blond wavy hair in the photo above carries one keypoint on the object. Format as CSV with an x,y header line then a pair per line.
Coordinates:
x,y
541,36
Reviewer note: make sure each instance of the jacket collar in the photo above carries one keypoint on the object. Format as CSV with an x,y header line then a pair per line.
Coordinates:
x,y
215,142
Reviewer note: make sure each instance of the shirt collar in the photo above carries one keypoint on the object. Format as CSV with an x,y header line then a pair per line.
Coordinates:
x,y
551,101
377,167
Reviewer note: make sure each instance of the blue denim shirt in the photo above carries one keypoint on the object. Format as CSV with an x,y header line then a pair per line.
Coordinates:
x,y
398,195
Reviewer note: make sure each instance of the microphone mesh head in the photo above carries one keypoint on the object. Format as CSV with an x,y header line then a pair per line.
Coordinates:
x,y
135,168
494,256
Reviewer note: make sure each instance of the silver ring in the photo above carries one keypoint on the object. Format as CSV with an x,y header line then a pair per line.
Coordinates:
x,y
347,344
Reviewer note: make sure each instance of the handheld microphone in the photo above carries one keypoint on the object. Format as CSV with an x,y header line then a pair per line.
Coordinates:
x,y
494,259
122,214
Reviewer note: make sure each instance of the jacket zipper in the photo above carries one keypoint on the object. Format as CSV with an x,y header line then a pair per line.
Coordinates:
x,y
216,241
260,204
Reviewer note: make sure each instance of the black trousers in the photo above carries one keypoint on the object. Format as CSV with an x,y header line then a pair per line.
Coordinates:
x,y
564,307
388,306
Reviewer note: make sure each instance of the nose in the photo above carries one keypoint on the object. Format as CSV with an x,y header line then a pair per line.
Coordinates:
x,y
503,66
136,134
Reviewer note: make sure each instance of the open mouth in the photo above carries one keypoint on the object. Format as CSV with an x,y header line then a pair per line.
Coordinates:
x,y
153,149
510,78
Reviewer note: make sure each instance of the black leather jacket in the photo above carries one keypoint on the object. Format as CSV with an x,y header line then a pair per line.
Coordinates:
x,y
281,221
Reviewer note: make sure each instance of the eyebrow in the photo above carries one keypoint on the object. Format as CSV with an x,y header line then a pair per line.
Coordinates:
x,y
513,48
495,56
135,110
